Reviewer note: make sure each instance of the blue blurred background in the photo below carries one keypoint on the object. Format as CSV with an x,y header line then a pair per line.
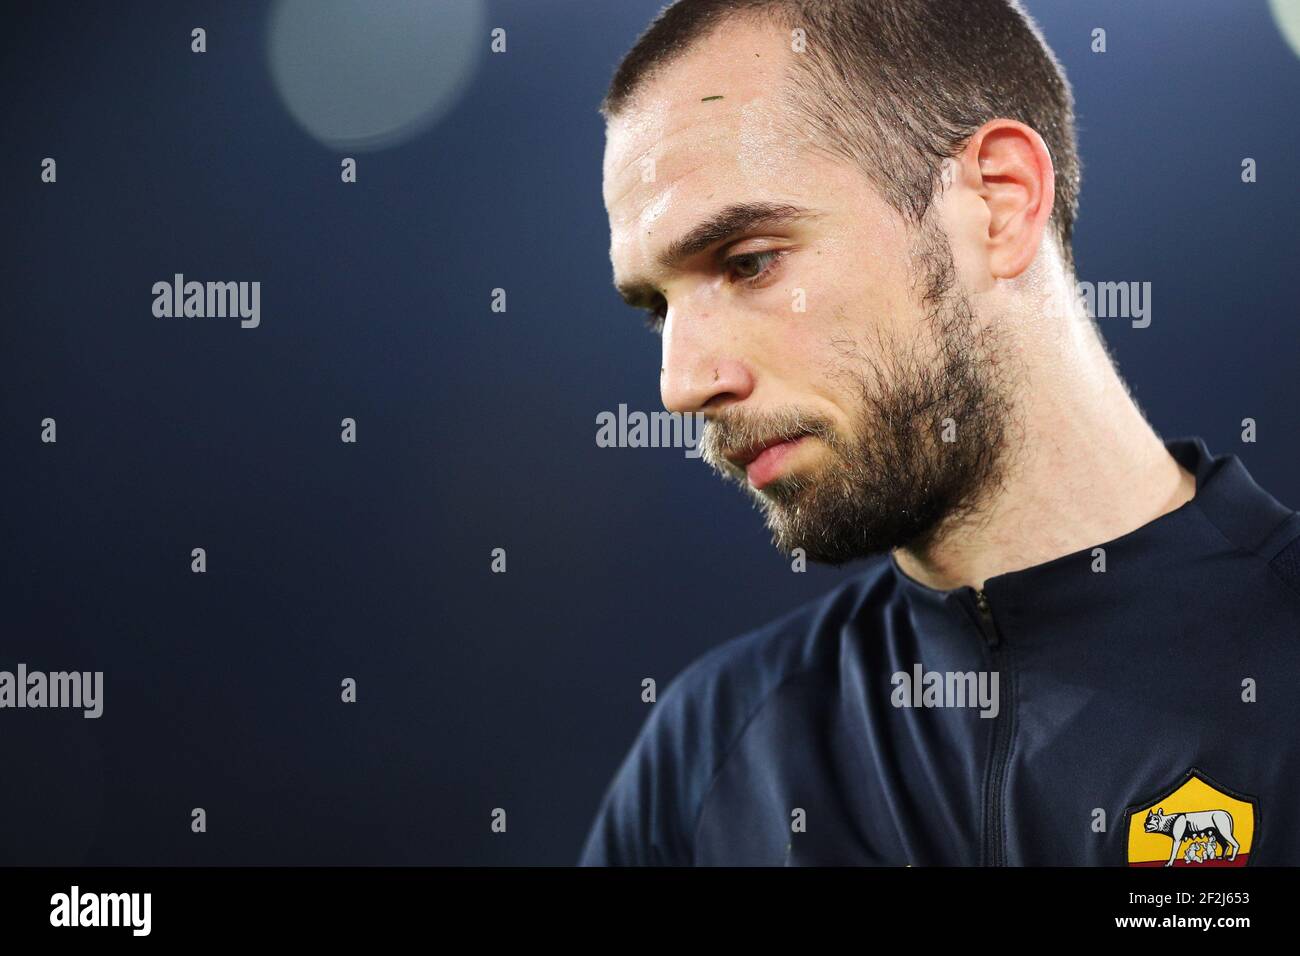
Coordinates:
x,y
476,171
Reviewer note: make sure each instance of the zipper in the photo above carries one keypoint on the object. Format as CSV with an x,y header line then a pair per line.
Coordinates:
x,y
994,852
986,618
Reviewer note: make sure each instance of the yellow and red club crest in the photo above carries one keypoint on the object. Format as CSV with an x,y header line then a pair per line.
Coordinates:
x,y
1193,822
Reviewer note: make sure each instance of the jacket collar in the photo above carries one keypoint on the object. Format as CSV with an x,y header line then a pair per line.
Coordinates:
x,y
1226,498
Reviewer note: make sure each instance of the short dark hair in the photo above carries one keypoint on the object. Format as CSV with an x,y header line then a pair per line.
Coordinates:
x,y
894,86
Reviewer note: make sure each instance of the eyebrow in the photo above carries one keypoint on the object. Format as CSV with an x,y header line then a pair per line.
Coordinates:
x,y
728,222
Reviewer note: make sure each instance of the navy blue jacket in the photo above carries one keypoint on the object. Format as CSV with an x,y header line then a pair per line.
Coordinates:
x,y
1147,713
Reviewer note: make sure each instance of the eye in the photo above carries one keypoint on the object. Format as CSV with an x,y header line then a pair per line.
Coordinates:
x,y
753,266
655,315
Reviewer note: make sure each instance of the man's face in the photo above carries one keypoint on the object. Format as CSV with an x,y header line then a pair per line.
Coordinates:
x,y
846,380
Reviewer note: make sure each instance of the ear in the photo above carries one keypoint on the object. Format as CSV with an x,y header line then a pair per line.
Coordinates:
x,y
1009,167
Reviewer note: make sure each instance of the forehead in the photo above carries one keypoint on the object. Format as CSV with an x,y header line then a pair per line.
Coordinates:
x,y
701,134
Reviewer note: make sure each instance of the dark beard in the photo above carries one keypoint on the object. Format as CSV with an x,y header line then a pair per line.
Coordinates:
x,y
895,482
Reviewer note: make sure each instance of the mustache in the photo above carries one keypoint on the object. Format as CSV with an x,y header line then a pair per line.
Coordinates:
x,y
732,431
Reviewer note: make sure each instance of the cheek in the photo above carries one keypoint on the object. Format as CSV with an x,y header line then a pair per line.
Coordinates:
x,y
860,286
855,307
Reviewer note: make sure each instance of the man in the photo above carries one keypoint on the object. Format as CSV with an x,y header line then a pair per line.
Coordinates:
x,y
850,222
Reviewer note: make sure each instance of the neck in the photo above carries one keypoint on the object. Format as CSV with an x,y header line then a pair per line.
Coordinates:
x,y
1086,468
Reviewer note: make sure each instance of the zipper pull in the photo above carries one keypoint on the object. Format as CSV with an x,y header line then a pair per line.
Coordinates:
x,y
986,616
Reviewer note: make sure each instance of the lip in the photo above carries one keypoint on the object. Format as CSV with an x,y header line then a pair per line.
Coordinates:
x,y
763,463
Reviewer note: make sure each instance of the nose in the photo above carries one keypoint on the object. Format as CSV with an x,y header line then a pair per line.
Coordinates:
x,y
701,368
